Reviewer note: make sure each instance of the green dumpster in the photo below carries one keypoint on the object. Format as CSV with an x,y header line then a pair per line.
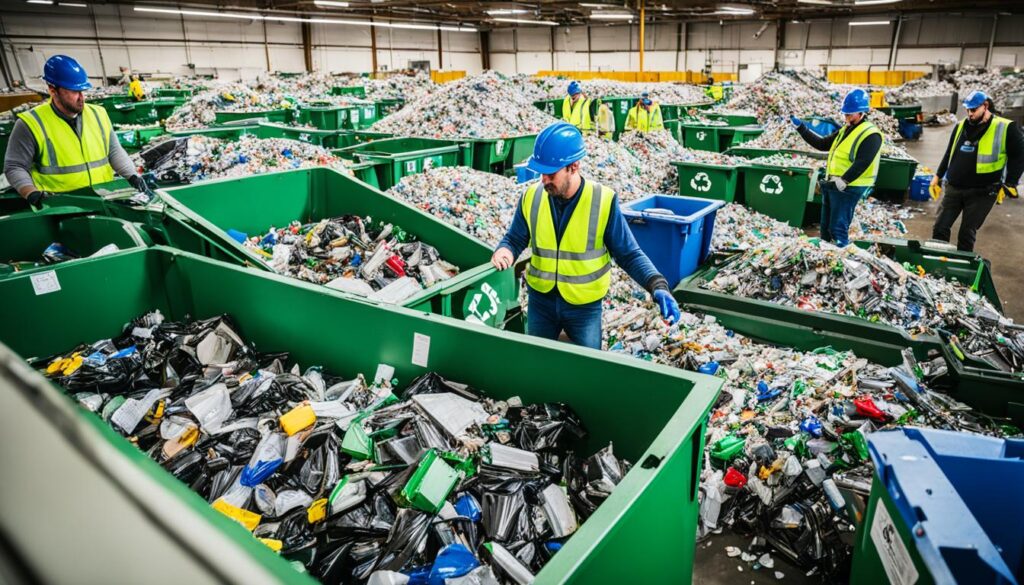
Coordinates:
x,y
983,386
944,260
172,92
734,119
233,132
108,102
498,155
27,235
701,137
360,136
133,140
664,438
325,138
324,115
280,115
551,107
144,113
368,172
386,107
740,134
709,181
253,204
780,192
904,112
799,328
620,110
407,156
894,177
353,90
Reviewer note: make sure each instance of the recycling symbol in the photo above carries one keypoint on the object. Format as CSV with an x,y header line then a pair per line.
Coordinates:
x,y
701,182
304,137
771,184
483,307
499,147
702,135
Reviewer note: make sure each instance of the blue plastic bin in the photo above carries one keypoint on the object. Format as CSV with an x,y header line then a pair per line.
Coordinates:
x,y
524,174
822,126
919,188
674,232
947,506
910,129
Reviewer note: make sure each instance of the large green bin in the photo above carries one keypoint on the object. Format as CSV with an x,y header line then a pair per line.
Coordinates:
x,y
552,107
943,260
985,388
733,119
253,204
701,137
904,112
620,110
324,115
709,181
325,138
133,140
801,329
280,115
26,235
388,106
144,113
894,177
407,156
780,192
232,132
739,135
353,90
172,92
498,155
662,434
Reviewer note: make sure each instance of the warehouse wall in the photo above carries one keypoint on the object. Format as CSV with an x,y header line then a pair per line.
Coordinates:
x,y
238,49
925,39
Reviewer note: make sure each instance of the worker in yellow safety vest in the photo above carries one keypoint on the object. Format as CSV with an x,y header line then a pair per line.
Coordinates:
x,y
982,165
589,115
645,115
854,151
135,89
65,144
573,228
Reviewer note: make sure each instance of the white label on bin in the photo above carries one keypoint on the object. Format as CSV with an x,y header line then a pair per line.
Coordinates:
x,y
771,184
45,282
899,567
410,166
420,349
701,182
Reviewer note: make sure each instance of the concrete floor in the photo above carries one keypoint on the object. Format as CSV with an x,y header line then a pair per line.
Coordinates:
x,y
1000,240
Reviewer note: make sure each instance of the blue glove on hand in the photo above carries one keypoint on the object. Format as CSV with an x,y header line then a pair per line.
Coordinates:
x,y
796,121
668,305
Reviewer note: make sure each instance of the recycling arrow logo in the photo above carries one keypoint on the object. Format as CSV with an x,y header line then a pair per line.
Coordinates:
x,y
484,306
701,182
771,185
702,135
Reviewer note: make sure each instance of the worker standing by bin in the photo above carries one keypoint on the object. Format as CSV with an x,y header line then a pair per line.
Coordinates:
x,y
854,152
65,144
983,164
573,227
135,89
589,115
645,115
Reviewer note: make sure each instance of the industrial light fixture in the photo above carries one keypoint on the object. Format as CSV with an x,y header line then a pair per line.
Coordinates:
x,y
728,10
870,23
612,16
273,17
871,2
47,2
818,2
507,11
524,21
330,4
73,4
590,5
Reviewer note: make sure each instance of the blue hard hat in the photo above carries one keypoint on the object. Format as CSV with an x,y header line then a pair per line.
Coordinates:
x,y
645,94
856,102
63,71
646,101
975,99
574,88
557,146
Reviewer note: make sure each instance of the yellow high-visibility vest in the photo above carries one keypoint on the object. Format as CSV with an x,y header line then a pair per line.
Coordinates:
x,y
844,150
67,162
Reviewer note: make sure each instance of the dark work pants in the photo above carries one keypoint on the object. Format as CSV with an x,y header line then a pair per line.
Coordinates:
x,y
975,204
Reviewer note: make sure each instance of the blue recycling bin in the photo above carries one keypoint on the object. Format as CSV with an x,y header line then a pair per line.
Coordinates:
x,y
910,129
675,232
524,174
945,507
919,188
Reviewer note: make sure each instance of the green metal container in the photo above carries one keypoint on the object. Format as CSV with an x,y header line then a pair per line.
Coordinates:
x,y
894,177
172,92
253,204
368,172
978,384
498,155
663,438
233,132
401,157
144,113
280,115
325,138
780,192
799,328
701,137
620,110
387,107
324,116
734,119
551,107
943,260
904,112
27,235
133,140
740,134
353,90
708,181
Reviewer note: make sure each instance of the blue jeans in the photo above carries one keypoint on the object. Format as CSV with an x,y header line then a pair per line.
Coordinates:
x,y
550,314
837,212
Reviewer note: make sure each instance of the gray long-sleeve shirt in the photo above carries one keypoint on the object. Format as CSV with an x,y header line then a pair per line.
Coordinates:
x,y
23,153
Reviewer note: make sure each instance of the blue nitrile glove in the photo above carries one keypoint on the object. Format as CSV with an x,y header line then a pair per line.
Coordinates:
x,y
668,305
796,121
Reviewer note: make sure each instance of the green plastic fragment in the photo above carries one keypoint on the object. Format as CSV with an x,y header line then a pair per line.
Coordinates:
x,y
854,441
430,484
728,447
357,442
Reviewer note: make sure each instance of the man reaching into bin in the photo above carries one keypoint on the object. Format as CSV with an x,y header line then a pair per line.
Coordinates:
x,y
573,227
65,144
982,164
854,152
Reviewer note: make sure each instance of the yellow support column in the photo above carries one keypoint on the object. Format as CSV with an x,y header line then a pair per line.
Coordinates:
x,y
641,3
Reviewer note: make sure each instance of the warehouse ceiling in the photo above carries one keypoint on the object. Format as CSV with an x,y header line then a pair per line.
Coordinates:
x,y
487,15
